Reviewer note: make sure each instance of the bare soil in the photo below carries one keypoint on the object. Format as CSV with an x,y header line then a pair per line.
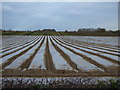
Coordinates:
x,y
61,73
48,59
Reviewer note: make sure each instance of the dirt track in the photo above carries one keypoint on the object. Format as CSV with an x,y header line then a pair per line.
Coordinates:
x,y
45,73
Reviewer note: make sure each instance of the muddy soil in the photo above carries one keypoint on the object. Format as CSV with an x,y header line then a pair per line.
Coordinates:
x,y
45,73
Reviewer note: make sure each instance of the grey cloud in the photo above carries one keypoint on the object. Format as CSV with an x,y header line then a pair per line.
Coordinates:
x,y
60,16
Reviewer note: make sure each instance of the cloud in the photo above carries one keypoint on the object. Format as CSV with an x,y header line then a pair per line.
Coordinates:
x,y
61,16
0,15
6,8
61,1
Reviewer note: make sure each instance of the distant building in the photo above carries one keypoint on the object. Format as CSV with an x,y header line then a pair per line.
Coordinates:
x,y
92,29
87,29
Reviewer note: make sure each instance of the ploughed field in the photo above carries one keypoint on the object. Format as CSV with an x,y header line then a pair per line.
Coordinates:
x,y
65,56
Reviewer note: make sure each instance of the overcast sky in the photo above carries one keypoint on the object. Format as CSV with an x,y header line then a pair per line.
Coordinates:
x,y
59,15
60,0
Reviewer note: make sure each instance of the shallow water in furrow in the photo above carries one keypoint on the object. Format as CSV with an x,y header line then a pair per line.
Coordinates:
x,y
17,47
81,63
18,44
95,58
100,53
99,40
13,54
87,46
108,47
17,62
38,61
16,40
58,60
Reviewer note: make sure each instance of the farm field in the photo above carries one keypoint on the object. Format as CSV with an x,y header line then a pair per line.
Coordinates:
x,y
65,56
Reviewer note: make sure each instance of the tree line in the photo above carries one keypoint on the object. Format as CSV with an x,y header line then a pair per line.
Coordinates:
x,y
79,32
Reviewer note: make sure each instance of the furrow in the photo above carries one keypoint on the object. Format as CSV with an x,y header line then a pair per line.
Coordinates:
x,y
10,60
65,56
38,61
15,53
21,41
17,49
83,46
85,57
58,60
17,62
48,59
104,57
92,45
27,63
83,65
18,45
11,42
98,44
